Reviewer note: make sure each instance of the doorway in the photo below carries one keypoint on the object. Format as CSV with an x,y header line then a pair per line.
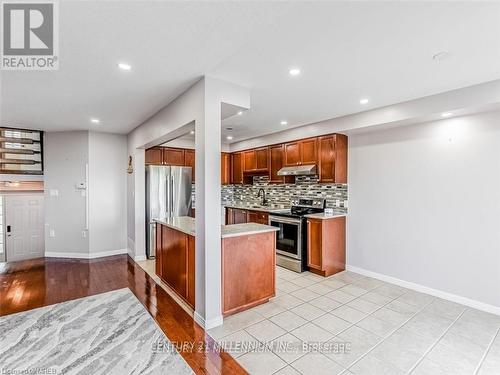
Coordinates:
x,y
23,227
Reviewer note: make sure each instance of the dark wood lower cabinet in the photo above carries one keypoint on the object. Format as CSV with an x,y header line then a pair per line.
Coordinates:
x,y
326,245
238,216
175,261
257,217
256,255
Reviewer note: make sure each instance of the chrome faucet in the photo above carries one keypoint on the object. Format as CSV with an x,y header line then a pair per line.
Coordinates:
x,y
264,200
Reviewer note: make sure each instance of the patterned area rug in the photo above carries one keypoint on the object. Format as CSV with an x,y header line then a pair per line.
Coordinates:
x,y
109,333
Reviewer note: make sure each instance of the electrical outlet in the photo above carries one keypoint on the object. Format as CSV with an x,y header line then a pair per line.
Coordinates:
x,y
84,234
52,233
54,192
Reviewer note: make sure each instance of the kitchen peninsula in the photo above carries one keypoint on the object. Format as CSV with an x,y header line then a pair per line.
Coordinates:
x,y
247,246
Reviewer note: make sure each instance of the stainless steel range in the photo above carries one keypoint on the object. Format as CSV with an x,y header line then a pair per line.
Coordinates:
x,y
291,239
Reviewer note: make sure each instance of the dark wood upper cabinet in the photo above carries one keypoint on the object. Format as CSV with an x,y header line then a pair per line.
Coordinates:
x,y
189,161
301,152
291,153
332,158
249,160
225,168
309,151
276,163
261,157
154,156
237,168
173,156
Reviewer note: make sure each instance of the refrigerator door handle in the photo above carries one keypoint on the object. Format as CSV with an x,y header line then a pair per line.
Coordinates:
x,y
172,208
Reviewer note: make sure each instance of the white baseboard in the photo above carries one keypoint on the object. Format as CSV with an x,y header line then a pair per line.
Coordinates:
x,y
138,258
212,323
101,254
424,289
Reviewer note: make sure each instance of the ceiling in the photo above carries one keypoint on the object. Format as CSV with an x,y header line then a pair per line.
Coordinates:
x,y
345,50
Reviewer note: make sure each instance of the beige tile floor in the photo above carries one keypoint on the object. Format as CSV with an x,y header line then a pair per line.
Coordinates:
x,y
352,324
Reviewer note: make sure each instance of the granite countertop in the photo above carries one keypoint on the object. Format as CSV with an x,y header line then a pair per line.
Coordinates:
x,y
186,225
269,209
323,216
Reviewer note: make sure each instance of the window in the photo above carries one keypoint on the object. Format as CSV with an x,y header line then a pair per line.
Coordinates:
x,y
21,151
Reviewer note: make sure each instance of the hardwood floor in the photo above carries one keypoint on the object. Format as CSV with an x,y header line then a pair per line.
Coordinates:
x,y
40,282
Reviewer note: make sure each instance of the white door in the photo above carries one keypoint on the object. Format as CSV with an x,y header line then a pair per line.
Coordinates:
x,y
24,229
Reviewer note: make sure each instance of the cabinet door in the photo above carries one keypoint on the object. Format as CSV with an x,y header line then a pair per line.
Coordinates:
x,y
340,159
326,162
229,216
309,151
191,271
174,259
173,156
276,163
261,156
153,156
190,162
236,168
292,153
314,245
239,216
249,161
257,217
225,168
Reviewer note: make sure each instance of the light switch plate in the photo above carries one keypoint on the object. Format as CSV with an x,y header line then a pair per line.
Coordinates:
x,y
54,192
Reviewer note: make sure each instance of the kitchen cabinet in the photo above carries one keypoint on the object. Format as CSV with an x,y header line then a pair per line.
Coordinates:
x,y
255,160
275,163
326,245
301,152
225,168
309,151
291,154
237,168
175,261
332,158
257,217
249,161
173,156
261,158
154,156
189,161
239,216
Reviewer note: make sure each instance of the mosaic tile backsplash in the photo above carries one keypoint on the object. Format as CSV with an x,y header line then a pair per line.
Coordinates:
x,y
286,194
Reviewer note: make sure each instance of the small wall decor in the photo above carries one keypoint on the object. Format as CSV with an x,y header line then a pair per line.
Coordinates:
x,y
130,170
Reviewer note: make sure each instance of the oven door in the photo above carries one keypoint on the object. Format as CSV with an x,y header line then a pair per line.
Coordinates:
x,y
289,236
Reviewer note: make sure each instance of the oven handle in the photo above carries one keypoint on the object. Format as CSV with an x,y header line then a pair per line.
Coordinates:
x,y
281,219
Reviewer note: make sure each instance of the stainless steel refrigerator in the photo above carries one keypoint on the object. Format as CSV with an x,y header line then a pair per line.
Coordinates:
x,y
168,194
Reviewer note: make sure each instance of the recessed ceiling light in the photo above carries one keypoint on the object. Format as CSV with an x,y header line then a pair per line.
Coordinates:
x,y
446,114
191,132
364,101
240,113
95,120
294,71
229,137
284,122
124,66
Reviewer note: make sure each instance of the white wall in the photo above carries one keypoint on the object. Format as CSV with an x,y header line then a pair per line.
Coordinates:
x,y
65,160
424,205
107,193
